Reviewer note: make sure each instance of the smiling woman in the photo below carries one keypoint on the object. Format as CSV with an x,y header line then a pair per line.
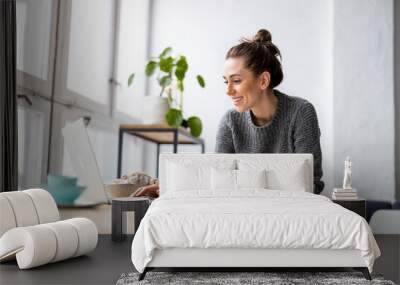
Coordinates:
x,y
264,119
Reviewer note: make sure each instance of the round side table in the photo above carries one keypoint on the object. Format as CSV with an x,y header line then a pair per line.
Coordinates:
x,y
120,205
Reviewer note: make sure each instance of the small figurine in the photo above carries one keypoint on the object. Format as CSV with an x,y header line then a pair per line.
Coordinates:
x,y
347,174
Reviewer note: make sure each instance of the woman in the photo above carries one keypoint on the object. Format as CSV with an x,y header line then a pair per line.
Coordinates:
x,y
264,120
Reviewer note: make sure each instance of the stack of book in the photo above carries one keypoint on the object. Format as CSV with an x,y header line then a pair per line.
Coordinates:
x,y
344,194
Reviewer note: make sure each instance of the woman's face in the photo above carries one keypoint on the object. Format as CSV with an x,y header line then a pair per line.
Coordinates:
x,y
242,86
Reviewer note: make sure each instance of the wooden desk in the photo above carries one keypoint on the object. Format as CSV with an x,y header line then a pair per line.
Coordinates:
x,y
158,134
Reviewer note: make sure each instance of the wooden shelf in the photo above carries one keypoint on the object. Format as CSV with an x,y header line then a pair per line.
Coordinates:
x,y
160,133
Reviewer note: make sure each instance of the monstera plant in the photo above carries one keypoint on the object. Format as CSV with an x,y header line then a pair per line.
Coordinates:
x,y
171,72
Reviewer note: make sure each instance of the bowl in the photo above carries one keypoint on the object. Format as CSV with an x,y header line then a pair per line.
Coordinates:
x,y
61,180
122,190
65,194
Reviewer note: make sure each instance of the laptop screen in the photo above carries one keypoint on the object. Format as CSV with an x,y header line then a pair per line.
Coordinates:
x,y
84,162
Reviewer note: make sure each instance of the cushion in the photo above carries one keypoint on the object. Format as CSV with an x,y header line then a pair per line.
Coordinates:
x,y
32,246
23,208
396,205
67,239
385,222
222,179
87,233
186,174
7,216
45,206
187,177
373,205
281,174
251,178
31,233
40,244
26,208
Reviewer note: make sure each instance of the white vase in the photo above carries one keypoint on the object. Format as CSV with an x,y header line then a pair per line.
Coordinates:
x,y
154,109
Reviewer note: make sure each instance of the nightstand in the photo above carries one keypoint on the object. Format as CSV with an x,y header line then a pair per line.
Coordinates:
x,y
120,205
358,206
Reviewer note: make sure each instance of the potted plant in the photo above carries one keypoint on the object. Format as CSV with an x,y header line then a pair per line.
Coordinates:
x,y
171,71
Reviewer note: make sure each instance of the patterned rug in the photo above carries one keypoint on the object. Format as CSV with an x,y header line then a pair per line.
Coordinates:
x,y
229,278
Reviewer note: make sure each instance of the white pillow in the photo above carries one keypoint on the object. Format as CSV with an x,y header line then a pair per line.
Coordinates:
x,y
187,174
290,178
251,178
281,174
184,177
225,179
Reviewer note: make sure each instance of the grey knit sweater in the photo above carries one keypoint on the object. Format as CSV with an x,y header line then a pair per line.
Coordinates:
x,y
294,129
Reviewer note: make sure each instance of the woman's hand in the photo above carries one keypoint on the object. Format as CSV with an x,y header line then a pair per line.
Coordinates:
x,y
149,191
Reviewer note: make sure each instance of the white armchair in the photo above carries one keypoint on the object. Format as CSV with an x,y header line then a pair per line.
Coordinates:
x,y
31,232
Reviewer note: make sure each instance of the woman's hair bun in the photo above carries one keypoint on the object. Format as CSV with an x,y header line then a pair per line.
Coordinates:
x,y
263,36
260,55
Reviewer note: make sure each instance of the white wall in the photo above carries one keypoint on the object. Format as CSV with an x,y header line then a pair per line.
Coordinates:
x,y
205,30
397,93
132,56
33,35
86,61
363,94
336,54
91,39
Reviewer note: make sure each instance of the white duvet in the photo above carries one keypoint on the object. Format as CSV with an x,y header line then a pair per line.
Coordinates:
x,y
250,219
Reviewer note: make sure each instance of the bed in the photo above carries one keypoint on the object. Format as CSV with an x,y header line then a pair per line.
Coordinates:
x,y
245,211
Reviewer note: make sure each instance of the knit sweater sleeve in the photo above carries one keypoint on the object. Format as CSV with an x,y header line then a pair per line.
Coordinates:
x,y
307,140
224,141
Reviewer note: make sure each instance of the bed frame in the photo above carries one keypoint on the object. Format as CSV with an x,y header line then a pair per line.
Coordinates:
x,y
246,259
242,259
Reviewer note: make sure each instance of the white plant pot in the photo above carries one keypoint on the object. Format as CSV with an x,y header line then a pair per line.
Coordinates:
x,y
154,109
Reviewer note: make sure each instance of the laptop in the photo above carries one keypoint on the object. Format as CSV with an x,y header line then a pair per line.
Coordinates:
x,y
84,162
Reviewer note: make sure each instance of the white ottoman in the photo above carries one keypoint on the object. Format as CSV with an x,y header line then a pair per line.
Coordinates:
x,y
31,233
